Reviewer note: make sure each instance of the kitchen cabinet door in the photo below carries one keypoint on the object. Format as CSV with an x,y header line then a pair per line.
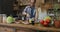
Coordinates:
x,y
25,30
23,2
39,2
51,1
5,29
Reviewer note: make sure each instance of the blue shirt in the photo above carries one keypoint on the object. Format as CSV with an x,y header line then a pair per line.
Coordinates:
x,y
30,10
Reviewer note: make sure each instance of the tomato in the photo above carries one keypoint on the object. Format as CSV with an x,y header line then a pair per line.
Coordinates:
x,y
42,21
45,24
47,20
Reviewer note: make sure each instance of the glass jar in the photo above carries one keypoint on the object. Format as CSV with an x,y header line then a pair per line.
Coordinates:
x,y
4,18
1,18
57,23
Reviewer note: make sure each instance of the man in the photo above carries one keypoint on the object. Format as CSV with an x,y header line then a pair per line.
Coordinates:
x,y
29,10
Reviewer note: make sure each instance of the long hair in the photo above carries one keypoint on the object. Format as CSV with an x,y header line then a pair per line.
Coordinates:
x,y
34,1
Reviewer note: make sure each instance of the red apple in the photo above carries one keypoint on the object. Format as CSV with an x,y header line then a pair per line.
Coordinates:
x,y
47,20
45,24
42,21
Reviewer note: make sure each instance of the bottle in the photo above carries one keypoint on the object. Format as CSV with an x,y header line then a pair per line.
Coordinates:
x,y
24,17
32,22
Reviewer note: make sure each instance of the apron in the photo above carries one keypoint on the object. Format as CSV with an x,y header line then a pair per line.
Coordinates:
x,y
32,12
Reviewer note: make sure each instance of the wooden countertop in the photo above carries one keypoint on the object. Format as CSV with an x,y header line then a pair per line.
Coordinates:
x,y
35,27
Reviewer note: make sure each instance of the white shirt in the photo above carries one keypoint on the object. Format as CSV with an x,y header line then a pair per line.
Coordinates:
x,y
41,15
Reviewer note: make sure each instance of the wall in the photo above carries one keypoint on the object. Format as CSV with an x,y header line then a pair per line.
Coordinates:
x,y
0,6
6,6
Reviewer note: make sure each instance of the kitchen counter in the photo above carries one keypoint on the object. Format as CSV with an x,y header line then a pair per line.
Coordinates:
x,y
34,27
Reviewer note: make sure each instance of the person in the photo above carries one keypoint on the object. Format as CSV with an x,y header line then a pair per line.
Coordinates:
x,y
41,13
29,10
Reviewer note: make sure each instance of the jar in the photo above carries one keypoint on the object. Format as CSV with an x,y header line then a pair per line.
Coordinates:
x,y
4,18
1,18
57,23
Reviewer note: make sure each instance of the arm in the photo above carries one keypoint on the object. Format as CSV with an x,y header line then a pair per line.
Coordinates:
x,y
36,14
27,8
24,11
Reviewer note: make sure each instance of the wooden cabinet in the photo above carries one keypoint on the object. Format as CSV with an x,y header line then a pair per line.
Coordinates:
x,y
48,1
25,30
51,1
48,6
23,2
5,29
39,2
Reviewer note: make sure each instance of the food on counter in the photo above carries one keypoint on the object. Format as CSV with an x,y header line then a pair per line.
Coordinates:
x,y
17,22
30,20
47,18
10,19
46,21
45,24
25,22
42,21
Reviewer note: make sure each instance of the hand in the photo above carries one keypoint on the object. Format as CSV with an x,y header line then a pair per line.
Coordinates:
x,y
27,15
33,18
24,13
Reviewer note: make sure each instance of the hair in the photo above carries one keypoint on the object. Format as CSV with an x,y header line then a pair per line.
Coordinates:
x,y
33,1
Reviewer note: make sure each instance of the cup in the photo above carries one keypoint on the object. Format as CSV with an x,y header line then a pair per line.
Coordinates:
x,y
4,18
33,23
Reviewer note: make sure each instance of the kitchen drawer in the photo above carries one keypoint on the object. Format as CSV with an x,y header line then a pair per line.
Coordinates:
x,y
5,29
25,30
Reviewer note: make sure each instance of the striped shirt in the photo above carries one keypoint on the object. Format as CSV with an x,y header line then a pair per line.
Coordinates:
x,y
30,10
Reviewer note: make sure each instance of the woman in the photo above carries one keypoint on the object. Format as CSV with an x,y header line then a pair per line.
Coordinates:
x,y
29,10
41,13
